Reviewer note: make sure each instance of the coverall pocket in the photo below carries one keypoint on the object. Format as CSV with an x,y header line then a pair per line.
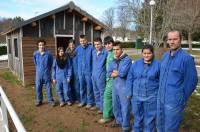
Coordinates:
x,y
175,100
175,75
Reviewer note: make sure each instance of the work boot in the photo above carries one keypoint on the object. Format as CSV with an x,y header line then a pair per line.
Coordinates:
x,y
37,104
88,106
93,108
62,104
53,104
103,121
115,124
81,105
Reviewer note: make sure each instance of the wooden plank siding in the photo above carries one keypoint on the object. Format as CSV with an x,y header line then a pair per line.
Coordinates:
x,y
29,46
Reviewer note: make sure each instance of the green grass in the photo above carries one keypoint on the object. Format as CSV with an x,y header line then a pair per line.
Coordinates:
x,y
191,120
8,76
84,125
135,57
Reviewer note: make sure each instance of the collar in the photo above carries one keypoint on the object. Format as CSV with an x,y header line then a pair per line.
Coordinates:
x,y
175,53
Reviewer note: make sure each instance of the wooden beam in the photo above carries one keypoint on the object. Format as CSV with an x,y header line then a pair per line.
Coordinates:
x,y
84,19
64,21
33,24
73,26
98,28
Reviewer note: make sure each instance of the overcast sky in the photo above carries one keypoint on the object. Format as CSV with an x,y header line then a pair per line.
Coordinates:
x,y
30,8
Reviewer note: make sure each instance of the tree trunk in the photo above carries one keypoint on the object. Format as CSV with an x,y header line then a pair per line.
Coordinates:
x,y
190,41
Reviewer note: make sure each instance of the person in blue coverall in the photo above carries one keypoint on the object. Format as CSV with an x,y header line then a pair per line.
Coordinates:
x,y
75,86
84,56
118,70
43,61
178,79
99,73
142,85
61,77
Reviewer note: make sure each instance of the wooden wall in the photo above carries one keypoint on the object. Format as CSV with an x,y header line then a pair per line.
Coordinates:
x,y
29,46
15,62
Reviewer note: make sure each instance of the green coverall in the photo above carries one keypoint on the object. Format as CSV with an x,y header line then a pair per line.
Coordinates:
x,y
107,98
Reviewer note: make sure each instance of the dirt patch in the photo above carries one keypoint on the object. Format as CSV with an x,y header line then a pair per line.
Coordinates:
x,y
49,119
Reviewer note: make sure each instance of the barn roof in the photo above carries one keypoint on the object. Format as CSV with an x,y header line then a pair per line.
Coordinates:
x,y
70,6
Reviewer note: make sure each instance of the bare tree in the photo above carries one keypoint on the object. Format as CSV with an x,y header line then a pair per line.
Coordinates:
x,y
124,23
186,17
109,18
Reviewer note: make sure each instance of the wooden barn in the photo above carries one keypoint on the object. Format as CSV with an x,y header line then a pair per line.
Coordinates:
x,y
56,27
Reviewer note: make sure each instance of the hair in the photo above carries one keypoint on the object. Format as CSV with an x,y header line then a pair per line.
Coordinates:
x,y
98,39
118,43
108,39
71,41
149,47
41,40
179,33
82,36
58,50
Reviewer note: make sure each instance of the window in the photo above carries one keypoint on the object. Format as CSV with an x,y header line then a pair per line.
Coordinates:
x,y
9,46
16,47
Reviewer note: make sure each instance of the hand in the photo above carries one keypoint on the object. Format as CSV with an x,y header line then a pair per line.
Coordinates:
x,y
114,73
68,80
129,97
54,81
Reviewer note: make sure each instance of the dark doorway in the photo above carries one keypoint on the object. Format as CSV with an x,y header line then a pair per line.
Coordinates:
x,y
62,42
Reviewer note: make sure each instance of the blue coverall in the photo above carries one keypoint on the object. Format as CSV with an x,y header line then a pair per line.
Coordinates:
x,y
84,57
99,76
75,85
62,85
121,104
43,65
142,85
178,79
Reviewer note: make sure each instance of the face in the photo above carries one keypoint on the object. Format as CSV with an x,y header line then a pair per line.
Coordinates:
x,y
147,55
83,41
174,40
71,46
61,52
117,51
109,46
41,46
98,45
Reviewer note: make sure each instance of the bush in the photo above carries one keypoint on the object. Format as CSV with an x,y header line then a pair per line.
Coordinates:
x,y
193,46
3,50
128,44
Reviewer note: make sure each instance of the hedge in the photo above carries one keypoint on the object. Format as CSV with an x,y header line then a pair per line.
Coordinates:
x,y
3,50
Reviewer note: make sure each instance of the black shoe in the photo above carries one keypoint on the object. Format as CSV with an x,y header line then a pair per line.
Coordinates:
x,y
37,104
115,124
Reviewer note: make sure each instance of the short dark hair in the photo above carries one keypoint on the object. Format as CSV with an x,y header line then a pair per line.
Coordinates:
x,y
71,41
118,43
179,33
148,46
41,40
82,36
108,39
98,39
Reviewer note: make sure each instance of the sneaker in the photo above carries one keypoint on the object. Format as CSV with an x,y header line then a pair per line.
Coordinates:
x,y
62,104
103,121
115,124
81,105
99,112
37,104
69,103
53,104
93,108
88,106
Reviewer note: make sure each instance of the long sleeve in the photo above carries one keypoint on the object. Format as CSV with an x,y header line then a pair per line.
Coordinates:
x,y
129,82
54,70
69,69
190,77
34,58
110,69
123,71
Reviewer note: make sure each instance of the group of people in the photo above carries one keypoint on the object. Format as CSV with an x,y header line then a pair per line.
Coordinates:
x,y
102,78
